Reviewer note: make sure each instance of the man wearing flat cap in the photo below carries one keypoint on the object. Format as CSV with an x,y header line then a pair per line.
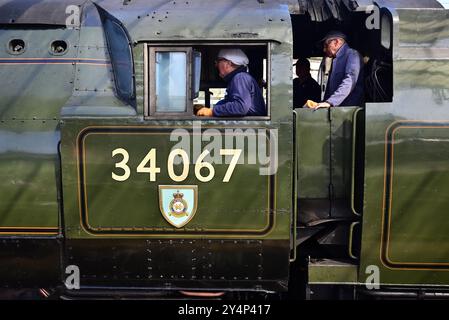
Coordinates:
x,y
345,83
243,95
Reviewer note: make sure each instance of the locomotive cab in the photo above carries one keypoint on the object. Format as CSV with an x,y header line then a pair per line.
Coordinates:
x,y
330,196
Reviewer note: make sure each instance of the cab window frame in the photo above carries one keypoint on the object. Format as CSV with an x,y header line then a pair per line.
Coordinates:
x,y
111,25
151,107
150,83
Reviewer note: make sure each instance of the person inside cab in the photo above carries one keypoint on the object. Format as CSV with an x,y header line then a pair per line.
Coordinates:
x,y
304,86
345,83
243,94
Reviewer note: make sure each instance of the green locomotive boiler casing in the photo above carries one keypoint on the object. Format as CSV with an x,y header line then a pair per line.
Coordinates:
x,y
354,188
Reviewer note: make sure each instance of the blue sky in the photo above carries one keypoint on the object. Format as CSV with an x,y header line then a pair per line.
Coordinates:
x,y
445,3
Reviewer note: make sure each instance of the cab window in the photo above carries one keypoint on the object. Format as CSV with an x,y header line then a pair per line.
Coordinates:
x,y
179,78
169,81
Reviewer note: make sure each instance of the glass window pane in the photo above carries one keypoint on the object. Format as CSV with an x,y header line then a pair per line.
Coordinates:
x,y
121,59
196,74
386,32
171,81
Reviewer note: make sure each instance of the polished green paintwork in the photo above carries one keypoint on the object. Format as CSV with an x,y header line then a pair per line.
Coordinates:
x,y
33,97
33,90
230,20
324,140
341,128
332,272
312,134
228,206
419,225
418,230
29,168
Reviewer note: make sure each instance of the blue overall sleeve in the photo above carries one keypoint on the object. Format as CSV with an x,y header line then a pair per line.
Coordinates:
x,y
238,100
352,71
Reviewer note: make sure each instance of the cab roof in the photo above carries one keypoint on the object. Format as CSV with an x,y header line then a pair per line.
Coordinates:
x,y
175,20
167,20
53,12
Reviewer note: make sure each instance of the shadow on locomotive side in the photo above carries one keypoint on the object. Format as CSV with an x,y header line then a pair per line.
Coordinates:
x,y
112,186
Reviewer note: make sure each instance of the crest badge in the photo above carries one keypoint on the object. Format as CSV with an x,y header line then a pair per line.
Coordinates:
x,y
178,204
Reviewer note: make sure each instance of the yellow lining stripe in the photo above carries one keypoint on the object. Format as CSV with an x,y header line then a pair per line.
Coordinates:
x,y
158,229
391,198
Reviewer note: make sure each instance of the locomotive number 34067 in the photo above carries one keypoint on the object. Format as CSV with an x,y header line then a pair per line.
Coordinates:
x,y
148,165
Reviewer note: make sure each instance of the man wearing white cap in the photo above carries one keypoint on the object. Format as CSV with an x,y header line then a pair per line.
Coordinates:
x,y
243,95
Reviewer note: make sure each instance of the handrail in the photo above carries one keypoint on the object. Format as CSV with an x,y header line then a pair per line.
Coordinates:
x,y
351,234
295,186
354,135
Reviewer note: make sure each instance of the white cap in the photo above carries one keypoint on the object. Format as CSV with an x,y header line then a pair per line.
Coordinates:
x,y
236,56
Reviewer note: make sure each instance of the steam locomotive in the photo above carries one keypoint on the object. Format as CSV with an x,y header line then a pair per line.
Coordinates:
x,y
111,186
